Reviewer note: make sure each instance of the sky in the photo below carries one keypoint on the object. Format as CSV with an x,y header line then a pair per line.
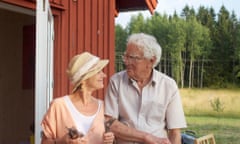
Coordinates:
x,y
169,6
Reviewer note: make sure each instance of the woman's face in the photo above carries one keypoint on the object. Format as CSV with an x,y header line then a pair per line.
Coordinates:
x,y
96,81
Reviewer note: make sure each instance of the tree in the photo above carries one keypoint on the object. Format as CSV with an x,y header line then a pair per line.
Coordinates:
x,y
235,40
120,38
198,48
137,24
159,29
193,45
223,49
176,38
120,45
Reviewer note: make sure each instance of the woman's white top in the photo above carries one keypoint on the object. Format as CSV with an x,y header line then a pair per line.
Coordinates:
x,y
82,122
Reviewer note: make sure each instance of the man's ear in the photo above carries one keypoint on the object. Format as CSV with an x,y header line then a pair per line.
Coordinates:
x,y
153,60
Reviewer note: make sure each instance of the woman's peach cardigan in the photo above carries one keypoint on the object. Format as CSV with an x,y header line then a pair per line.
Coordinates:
x,y
58,117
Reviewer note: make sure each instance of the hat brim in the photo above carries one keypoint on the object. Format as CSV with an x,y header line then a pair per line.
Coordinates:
x,y
97,68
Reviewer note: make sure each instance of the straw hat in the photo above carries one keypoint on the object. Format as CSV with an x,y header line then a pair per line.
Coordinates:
x,y
84,66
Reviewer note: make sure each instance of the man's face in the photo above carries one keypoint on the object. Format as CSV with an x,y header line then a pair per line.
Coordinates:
x,y
137,65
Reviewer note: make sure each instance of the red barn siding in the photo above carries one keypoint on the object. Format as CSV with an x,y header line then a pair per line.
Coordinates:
x,y
84,27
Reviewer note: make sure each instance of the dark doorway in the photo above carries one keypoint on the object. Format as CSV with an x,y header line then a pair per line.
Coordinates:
x,y
17,48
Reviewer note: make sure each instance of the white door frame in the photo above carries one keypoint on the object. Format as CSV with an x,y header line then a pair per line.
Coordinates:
x,y
44,63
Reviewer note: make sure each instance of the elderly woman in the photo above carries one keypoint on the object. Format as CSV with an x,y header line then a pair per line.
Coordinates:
x,y
78,118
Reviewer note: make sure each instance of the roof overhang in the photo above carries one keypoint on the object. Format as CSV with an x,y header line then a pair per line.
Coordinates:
x,y
135,5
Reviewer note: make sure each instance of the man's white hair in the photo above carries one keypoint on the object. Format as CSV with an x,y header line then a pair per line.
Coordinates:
x,y
148,44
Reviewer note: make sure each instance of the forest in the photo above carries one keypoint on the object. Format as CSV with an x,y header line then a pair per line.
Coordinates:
x,y
200,48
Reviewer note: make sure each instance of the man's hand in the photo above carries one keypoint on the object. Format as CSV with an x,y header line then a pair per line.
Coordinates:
x,y
151,139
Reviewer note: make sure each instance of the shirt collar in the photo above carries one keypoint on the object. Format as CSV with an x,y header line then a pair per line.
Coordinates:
x,y
152,80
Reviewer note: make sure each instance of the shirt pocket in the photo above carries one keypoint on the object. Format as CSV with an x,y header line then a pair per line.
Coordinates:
x,y
156,113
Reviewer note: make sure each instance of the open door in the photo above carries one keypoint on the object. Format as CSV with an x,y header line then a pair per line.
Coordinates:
x,y
44,63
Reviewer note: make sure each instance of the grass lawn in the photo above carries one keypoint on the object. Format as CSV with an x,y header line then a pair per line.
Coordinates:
x,y
213,111
198,102
225,130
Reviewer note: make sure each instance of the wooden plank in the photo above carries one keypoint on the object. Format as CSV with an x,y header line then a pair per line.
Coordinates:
x,y
57,59
87,25
207,139
111,48
72,29
94,27
61,82
64,49
80,27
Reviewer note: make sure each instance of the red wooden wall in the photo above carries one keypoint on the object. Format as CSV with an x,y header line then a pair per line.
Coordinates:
x,y
80,25
84,25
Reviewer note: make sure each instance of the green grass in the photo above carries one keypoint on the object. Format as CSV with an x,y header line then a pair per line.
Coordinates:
x,y
225,130
203,119
198,102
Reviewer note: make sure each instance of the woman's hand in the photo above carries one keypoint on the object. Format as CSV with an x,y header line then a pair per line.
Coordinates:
x,y
108,138
68,140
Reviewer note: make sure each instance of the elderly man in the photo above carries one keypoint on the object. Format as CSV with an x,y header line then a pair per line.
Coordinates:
x,y
142,104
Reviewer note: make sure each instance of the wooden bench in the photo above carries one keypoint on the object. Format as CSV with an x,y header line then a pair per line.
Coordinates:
x,y
207,139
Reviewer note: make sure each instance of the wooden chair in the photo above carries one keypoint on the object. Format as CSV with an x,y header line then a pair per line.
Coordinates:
x,y
207,139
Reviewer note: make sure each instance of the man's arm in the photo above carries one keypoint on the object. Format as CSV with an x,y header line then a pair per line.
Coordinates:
x,y
126,133
174,136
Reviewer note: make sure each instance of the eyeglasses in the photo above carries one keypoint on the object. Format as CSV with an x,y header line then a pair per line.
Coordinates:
x,y
131,58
